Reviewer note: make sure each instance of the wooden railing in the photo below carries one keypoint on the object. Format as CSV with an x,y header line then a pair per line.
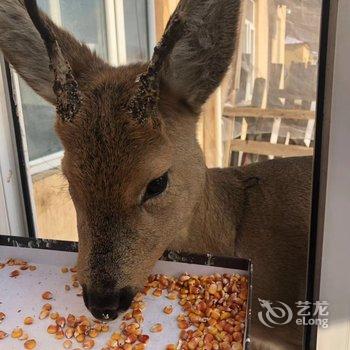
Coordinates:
x,y
271,149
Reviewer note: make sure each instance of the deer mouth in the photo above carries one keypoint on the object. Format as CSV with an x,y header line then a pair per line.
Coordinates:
x,y
106,305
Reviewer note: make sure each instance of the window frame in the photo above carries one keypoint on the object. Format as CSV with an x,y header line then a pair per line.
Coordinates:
x,y
15,210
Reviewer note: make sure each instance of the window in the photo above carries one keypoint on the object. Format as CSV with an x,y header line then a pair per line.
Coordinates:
x,y
277,69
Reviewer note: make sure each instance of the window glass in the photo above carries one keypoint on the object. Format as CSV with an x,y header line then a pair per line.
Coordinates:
x,y
277,70
136,29
86,19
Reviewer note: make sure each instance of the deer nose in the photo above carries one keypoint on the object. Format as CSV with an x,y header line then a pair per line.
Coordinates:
x,y
103,306
106,305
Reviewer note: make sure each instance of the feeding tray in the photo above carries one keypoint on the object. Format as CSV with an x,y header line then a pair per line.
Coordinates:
x,y
22,296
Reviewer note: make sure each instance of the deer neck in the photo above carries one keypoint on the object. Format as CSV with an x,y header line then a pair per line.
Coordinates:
x,y
216,215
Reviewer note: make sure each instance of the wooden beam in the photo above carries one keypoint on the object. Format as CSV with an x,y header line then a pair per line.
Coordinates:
x,y
233,112
212,137
269,149
163,11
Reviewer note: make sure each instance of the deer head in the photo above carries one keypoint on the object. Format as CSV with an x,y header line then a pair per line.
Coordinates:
x,y
134,168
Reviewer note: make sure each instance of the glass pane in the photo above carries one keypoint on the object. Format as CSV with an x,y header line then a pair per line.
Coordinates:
x,y
86,20
136,28
278,70
39,118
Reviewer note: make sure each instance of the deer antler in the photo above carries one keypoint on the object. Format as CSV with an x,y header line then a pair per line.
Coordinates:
x,y
144,103
65,86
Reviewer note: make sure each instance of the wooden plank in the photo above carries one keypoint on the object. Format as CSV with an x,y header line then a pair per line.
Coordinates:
x,y
212,139
229,125
230,87
267,149
287,138
308,132
244,131
275,132
233,112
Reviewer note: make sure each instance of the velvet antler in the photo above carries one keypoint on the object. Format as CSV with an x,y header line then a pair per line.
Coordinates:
x,y
144,104
65,86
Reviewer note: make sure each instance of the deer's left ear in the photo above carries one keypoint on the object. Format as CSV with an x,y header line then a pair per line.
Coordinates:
x,y
201,56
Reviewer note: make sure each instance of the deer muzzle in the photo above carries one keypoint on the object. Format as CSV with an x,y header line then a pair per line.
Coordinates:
x,y
105,305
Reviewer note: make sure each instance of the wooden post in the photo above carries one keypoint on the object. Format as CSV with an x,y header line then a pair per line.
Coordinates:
x,y
163,9
212,138
230,87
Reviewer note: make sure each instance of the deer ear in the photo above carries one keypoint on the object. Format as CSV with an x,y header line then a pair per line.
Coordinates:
x,y
200,58
24,48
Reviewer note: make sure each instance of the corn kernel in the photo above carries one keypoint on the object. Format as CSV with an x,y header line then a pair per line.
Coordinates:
x,y
156,328
88,344
17,332
143,338
67,344
47,295
30,344
52,329
28,321
168,309
3,335
14,273
157,292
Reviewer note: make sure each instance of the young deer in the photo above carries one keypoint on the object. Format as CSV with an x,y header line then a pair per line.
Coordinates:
x,y
136,172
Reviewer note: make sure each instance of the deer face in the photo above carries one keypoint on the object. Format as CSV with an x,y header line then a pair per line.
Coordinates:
x,y
131,189
134,168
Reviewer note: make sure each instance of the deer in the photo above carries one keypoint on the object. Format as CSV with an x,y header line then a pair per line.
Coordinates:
x,y
136,173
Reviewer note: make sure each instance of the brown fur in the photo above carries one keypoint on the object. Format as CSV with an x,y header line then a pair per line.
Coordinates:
x,y
259,212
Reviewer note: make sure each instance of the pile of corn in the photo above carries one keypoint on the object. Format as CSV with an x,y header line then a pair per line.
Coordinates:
x,y
213,318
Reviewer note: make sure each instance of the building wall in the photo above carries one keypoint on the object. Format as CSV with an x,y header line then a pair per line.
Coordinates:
x,y
297,53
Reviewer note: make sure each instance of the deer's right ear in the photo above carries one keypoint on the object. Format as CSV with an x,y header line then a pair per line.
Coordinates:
x,y
200,57
23,47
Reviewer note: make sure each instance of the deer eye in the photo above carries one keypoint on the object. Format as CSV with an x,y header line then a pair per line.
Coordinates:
x,y
156,187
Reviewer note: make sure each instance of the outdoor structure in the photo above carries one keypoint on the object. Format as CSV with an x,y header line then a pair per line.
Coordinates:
x,y
264,108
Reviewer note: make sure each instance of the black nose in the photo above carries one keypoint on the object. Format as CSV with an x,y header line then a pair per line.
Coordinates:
x,y
105,305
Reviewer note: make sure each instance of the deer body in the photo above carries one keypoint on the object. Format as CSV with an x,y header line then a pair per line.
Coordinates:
x,y
260,212
135,170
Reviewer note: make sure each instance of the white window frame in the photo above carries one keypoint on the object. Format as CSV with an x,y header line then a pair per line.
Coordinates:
x,y
249,38
334,208
13,220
